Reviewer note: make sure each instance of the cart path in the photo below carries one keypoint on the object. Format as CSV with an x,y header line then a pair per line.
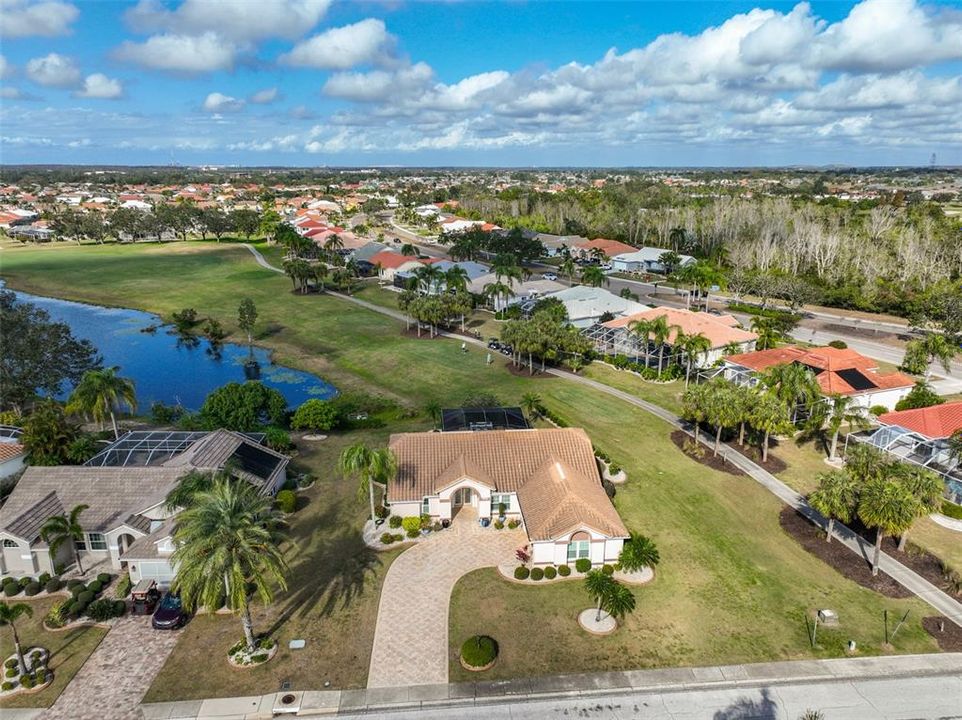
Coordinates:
x,y
909,579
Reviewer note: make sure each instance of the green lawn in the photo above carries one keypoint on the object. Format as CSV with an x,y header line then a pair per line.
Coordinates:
x,y
731,587
69,650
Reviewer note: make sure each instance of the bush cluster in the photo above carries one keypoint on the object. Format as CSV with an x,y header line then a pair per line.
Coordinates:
x,y
607,569
104,578
388,538
583,565
668,372
53,585
95,587
550,573
512,524
86,597
31,589
286,501
536,574
11,588
105,609
411,524
394,521
564,570
479,651
498,525
521,573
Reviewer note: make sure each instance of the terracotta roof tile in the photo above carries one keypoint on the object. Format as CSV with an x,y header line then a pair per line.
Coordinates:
x,y
9,450
719,329
935,422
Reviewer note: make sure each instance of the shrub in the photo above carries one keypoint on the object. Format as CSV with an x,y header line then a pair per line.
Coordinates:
x,y
58,613
607,569
26,682
381,512
76,609
277,439
536,573
11,589
77,589
413,533
316,415
95,587
398,537
583,565
950,509
104,578
921,395
877,410
564,570
24,581
31,589
614,469
120,607
609,487
11,672
394,521
550,573
521,573
41,676
52,585
123,587
86,597
512,524
479,651
104,609
43,578
6,686
498,525
286,501
71,584
11,663
387,538
411,524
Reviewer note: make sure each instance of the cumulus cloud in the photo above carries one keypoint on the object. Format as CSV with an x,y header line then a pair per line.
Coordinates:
x,y
264,97
100,86
217,102
181,53
364,43
54,70
239,20
47,18
6,69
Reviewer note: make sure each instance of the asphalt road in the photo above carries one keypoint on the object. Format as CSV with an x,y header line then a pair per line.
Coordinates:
x,y
903,699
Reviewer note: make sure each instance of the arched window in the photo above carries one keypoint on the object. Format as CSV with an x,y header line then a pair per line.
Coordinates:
x,y
579,546
9,543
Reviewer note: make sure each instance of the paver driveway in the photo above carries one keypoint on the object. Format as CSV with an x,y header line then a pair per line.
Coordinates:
x,y
115,677
411,637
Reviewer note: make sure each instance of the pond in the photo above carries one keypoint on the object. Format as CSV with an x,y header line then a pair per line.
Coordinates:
x,y
167,368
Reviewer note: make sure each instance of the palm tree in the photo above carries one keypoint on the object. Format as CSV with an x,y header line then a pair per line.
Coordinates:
x,y
743,399
691,346
638,552
770,417
619,602
9,614
926,487
599,587
409,250
227,550
334,244
694,406
642,329
568,267
955,445
835,497
498,289
660,332
433,410
99,393
369,467
429,277
793,384
926,351
768,333
456,279
843,411
720,409
60,529
532,403
593,276
888,506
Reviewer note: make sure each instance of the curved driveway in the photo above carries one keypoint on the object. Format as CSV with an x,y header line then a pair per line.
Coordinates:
x,y
411,637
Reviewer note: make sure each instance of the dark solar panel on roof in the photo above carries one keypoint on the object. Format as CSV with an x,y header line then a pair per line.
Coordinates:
x,y
504,418
856,379
255,461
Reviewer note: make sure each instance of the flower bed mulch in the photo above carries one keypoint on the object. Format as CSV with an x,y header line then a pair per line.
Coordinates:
x,y
946,633
852,566
715,462
774,464
521,370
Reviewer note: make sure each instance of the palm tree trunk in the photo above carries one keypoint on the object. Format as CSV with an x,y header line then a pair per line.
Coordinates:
x,y
741,434
530,365
419,328
831,527
765,448
687,372
718,432
831,455
661,355
80,567
248,625
113,421
18,649
462,323
878,550
370,494
697,424
903,540
598,616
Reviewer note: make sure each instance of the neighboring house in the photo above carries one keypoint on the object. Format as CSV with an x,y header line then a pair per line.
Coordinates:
x,y
647,259
586,305
523,291
610,248
839,372
555,245
548,479
125,487
366,252
722,331
474,271
921,436
389,263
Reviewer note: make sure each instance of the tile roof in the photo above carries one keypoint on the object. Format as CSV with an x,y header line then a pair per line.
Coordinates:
x,y
27,525
554,472
935,422
831,367
719,329
608,247
112,493
394,260
10,450
146,546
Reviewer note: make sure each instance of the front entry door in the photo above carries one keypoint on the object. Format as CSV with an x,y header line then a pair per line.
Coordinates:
x,y
462,496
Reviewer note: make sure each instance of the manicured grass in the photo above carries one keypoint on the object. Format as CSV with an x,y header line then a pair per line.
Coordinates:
x,y
732,585
668,395
69,650
332,599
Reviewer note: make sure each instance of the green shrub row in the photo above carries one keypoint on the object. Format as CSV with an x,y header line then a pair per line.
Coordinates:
x,y
950,509
388,538
582,565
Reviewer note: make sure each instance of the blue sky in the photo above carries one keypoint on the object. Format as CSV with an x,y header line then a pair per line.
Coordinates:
x,y
317,82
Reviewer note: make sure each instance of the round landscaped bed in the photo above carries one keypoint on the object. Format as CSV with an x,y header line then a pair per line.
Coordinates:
x,y
37,679
479,653
240,657
588,620
640,577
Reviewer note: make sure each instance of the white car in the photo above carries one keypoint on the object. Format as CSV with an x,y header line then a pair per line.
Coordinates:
x,y
549,276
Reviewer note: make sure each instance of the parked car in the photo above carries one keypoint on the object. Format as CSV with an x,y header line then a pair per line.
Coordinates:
x,y
169,614
549,276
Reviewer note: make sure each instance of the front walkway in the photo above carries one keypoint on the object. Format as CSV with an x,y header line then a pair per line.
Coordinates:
x,y
116,676
411,637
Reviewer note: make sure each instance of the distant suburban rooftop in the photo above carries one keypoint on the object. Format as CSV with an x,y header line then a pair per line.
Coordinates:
x,y
935,422
501,418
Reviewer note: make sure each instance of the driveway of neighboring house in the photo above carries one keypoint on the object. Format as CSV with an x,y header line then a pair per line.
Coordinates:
x,y
411,637
116,676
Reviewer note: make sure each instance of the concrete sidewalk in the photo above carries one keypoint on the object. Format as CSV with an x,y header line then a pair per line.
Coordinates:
x,y
378,701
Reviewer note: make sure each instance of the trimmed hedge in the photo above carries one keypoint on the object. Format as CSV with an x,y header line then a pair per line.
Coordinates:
x,y
394,522
950,509
582,565
479,651
512,524
24,581
77,589
86,597
521,573
71,584
564,570
11,589
76,609
537,573
44,576
550,573
104,578
53,585
607,569
387,538
106,609
94,587
286,501
31,589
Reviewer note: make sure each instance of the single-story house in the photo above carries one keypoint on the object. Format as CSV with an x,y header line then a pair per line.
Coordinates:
x,y
125,488
722,331
610,248
366,252
548,479
586,305
555,245
389,263
474,271
523,291
838,371
646,259
921,436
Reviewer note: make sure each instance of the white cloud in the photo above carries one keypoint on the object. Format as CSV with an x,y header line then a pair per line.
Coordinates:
x,y
100,86
54,70
239,20
363,43
380,85
47,18
181,53
264,97
8,92
219,103
6,69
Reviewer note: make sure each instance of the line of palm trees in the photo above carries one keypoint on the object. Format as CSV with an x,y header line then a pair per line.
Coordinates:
x,y
434,296
653,336
306,263
547,336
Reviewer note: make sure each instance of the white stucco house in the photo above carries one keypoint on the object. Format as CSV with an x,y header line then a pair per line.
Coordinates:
x,y
646,259
548,479
126,524
586,305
